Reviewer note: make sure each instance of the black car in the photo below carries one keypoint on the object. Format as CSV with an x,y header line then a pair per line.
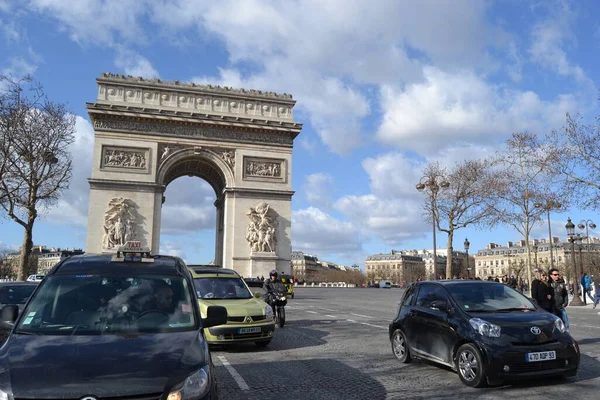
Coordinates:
x,y
102,326
485,331
16,293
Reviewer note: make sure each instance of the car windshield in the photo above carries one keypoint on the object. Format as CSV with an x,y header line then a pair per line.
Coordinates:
x,y
473,297
99,304
221,288
17,294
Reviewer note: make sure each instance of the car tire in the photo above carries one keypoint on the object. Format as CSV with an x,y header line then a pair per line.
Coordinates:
x,y
469,365
262,343
400,347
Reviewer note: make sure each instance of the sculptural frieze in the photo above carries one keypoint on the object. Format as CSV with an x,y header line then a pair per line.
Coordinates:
x,y
261,169
262,230
167,149
123,158
121,223
188,130
229,157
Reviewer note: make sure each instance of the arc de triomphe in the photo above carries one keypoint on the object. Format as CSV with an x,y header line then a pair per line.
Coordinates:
x,y
149,132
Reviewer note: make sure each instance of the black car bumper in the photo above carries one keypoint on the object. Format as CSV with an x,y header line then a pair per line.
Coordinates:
x,y
510,363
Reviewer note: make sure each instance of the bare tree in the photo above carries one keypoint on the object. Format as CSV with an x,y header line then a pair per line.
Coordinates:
x,y
524,177
35,134
463,203
576,151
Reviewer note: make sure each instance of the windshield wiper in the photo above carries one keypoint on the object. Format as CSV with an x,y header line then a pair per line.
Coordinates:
x,y
27,333
514,309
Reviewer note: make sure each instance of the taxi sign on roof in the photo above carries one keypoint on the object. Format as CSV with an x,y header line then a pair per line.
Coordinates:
x,y
133,248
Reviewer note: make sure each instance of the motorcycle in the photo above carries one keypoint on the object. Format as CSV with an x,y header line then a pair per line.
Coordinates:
x,y
278,300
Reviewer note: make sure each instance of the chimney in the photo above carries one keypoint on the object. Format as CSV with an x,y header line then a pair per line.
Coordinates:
x,y
510,244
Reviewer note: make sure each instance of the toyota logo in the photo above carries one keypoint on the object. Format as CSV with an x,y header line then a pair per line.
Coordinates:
x,y
535,330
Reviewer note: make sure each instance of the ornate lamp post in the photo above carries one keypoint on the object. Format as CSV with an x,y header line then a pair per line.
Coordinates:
x,y
570,226
467,244
549,205
587,225
432,187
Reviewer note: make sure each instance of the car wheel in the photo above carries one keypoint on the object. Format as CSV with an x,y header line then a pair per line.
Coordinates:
x,y
470,366
263,343
400,347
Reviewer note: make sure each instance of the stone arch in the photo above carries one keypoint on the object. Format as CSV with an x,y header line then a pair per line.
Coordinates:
x,y
203,163
148,133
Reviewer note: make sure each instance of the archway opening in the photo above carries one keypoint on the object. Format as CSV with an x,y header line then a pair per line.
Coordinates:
x,y
192,224
188,220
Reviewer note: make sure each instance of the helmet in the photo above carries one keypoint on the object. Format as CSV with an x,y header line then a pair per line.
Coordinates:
x,y
273,273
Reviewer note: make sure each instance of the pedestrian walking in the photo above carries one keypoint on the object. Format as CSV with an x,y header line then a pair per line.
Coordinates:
x,y
597,289
586,283
561,295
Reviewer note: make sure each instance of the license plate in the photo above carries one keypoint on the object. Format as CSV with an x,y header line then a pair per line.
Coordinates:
x,y
540,356
242,331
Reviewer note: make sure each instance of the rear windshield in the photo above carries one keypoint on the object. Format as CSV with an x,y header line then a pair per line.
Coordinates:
x,y
109,304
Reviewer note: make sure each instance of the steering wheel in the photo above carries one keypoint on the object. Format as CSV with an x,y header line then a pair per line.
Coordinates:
x,y
162,313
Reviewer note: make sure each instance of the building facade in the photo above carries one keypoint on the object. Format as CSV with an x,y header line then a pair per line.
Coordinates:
x,y
41,261
397,266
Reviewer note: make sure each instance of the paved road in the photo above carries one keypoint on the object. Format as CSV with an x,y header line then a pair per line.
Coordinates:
x,y
335,346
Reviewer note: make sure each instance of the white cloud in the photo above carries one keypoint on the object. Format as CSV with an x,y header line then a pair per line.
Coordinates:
x,y
10,30
188,207
319,189
19,66
549,36
72,207
173,248
96,21
316,232
134,64
459,108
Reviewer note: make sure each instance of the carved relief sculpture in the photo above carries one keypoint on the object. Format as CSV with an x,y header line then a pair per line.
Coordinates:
x,y
262,229
121,223
255,168
120,158
229,157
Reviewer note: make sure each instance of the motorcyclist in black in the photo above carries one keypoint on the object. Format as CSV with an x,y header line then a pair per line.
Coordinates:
x,y
268,287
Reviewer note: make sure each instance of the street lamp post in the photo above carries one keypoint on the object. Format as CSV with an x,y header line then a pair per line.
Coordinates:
x,y
586,225
467,244
433,187
549,205
570,226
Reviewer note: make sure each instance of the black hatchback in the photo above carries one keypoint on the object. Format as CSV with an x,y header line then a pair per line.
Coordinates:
x,y
485,331
101,326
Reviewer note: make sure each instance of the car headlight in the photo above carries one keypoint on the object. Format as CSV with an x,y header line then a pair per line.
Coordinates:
x,y
560,325
485,328
3,395
194,387
269,312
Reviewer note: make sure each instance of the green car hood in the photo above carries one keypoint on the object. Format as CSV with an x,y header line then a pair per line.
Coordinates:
x,y
235,308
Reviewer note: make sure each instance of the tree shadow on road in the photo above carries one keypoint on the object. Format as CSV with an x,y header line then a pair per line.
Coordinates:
x,y
300,379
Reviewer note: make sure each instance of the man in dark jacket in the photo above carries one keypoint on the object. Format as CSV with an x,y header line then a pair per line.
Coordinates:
x,y
561,295
542,292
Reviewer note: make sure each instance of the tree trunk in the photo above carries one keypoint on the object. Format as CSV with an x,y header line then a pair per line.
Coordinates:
x,y
26,252
449,250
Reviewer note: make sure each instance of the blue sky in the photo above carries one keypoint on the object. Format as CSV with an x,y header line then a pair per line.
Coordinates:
x,y
381,90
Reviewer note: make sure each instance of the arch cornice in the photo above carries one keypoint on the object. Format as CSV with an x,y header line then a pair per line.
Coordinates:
x,y
188,161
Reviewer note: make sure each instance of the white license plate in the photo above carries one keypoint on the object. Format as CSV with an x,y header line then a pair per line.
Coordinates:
x,y
241,331
540,356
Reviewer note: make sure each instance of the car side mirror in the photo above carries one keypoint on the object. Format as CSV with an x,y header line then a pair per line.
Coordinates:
x,y
439,305
9,316
257,295
534,301
215,315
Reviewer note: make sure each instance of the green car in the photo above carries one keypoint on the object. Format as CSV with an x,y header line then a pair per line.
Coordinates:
x,y
249,318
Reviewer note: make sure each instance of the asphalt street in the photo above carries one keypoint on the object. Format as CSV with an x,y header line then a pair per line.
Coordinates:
x,y
335,346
